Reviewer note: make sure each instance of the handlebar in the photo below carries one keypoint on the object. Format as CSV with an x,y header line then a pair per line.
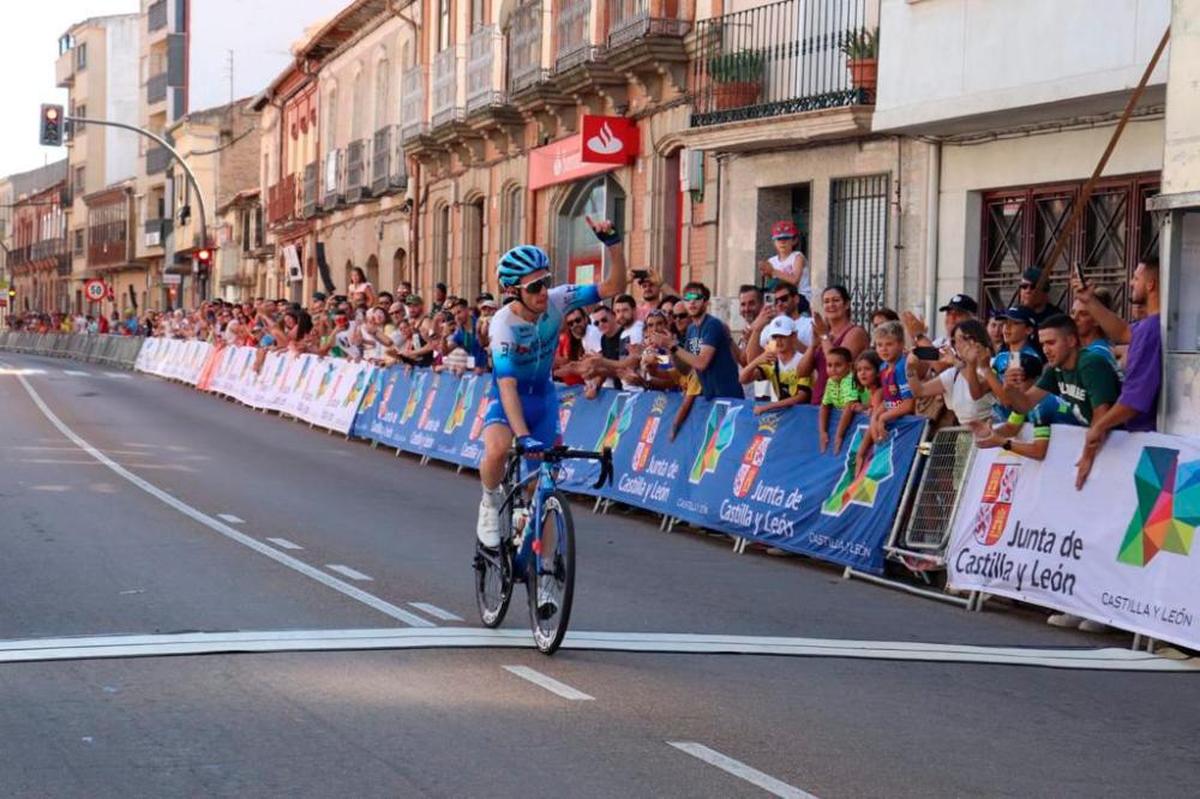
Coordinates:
x,y
557,454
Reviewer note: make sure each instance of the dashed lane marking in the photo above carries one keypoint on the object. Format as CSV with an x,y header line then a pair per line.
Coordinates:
x,y
433,610
549,683
740,770
229,517
346,571
283,543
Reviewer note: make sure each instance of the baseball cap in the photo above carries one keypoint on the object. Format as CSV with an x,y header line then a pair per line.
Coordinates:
x,y
781,326
960,302
1019,313
784,229
414,299
487,302
1032,274
319,296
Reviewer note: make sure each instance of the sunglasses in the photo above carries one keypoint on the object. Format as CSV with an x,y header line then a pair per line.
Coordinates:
x,y
692,295
679,316
1026,286
537,286
577,321
781,299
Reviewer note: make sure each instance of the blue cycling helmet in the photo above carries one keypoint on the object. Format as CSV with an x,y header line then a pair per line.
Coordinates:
x,y
522,260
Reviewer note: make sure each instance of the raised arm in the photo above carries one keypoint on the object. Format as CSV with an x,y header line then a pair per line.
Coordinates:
x,y
617,279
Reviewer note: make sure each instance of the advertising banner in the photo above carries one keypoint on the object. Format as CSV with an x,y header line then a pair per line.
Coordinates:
x,y
1020,532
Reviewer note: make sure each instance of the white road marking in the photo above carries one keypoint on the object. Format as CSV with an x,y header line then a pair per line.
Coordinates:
x,y
282,558
741,770
229,517
549,683
346,571
1106,659
117,375
283,543
74,373
435,611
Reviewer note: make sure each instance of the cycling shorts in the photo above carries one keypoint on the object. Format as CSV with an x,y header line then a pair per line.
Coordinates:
x,y
541,415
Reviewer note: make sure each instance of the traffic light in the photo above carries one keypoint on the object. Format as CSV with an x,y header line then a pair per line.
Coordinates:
x,y
12,294
52,125
204,257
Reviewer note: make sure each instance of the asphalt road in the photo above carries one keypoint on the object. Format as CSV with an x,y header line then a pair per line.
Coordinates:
x,y
220,519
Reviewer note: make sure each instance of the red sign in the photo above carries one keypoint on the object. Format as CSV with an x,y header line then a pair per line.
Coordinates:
x,y
609,140
561,162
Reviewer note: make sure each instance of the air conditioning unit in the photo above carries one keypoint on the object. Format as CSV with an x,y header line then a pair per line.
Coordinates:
x,y
291,257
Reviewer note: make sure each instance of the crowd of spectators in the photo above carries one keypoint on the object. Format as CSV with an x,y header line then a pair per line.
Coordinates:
x,y
1007,378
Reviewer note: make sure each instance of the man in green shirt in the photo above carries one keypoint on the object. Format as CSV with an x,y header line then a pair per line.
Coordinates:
x,y
1084,381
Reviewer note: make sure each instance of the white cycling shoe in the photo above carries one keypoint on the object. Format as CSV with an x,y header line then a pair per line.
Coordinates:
x,y
487,530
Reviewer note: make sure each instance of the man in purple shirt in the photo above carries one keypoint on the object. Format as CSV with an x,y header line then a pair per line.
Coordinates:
x,y
1136,409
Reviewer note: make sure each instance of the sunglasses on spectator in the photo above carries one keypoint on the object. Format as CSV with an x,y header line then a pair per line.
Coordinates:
x,y
578,320
1026,286
780,299
537,286
693,295
680,316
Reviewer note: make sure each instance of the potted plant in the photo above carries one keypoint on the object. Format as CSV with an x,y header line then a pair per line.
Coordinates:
x,y
861,48
736,78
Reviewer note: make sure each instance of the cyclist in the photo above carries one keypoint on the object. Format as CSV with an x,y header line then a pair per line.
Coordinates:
x,y
524,337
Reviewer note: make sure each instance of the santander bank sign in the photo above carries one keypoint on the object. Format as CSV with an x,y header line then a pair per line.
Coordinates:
x,y
602,145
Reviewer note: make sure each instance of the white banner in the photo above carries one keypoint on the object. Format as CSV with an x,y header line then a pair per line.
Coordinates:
x,y
175,359
1118,552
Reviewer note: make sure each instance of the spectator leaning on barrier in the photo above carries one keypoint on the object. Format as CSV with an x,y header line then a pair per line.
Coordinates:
x,y
1091,337
962,386
778,364
1085,382
655,370
568,358
844,392
708,351
625,309
466,337
1136,408
895,398
1005,434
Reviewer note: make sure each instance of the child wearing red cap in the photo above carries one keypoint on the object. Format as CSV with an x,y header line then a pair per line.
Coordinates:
x,y
788,264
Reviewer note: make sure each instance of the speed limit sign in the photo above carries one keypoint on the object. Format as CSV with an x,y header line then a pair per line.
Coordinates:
x,y
95,290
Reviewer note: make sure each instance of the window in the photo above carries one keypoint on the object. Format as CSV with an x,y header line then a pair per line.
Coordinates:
x,y
330,130
81,56
79,242
443,24
258,226
80,111
1021,226
360,106
476,15
80,181
474,246
65,43
441,244
858,235
382,80
513,213
245,224
580,258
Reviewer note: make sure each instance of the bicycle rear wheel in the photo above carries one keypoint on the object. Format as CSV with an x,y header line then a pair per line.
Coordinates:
x,y
494,573
555,580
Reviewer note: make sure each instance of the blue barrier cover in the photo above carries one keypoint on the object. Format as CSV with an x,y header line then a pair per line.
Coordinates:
x,y
756,476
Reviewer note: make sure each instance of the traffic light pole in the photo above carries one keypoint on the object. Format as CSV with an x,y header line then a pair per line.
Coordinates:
x,y
178,158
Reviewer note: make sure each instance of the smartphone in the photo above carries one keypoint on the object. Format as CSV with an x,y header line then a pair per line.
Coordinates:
x,y
1079,273
926,353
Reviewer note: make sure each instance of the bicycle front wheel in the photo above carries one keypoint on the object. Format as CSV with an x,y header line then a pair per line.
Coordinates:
x,y
551,582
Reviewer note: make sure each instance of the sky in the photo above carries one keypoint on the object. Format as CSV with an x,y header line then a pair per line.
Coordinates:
x,y
29,49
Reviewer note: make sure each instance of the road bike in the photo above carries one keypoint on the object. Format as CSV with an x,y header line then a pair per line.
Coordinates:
x,y
537,546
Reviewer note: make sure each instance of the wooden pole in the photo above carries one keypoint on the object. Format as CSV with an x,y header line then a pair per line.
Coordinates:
x,y
1085,194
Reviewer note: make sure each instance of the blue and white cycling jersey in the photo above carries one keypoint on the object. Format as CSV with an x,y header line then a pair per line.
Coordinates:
x,y
525,350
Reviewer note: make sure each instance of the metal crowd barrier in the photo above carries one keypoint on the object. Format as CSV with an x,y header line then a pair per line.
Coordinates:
x,y
946,458
116,351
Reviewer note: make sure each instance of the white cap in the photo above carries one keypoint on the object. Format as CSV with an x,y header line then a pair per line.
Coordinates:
x,y
781,326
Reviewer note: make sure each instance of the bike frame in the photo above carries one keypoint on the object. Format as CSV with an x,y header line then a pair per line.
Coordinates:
x,y
543,476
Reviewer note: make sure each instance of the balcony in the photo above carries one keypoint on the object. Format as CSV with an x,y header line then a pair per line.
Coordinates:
x,y
485,83
154,231
281,201
156,16
388,169
358,177
64,70
414,123
525,67
48,248
574,42
312,181
157,159
646,39
156,88
446,108
333,192
775,60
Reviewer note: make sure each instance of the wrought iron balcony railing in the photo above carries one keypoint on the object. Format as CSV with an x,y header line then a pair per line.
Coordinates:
x,y
781,58
357,185
311,184
525,67
630,20
485,74
445,108
413,119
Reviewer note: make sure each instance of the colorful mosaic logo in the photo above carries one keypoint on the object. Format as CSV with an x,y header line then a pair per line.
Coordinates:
x,y
861,489
356,390
373,391
414,396
620,416
1168,495
464,394
566,407
718,434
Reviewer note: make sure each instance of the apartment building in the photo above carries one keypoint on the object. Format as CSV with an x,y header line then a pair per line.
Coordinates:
x,y
97,66
221,146
1017,115
39,263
